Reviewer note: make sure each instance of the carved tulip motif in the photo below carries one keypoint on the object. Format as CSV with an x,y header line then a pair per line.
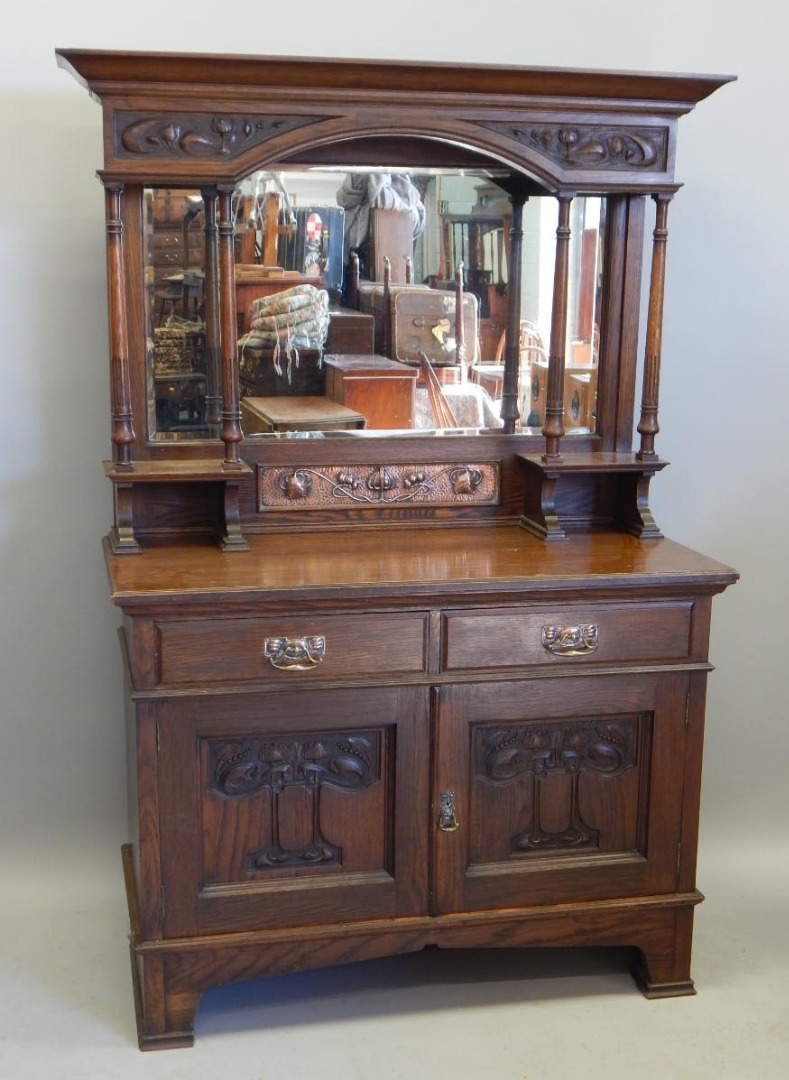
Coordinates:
x,y
373,485
465,481
296,485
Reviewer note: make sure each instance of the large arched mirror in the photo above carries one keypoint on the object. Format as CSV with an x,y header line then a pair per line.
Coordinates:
x,y
347,286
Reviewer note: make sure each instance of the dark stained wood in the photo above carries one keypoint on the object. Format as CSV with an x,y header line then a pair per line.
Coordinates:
x,y
231,413
509,397
122,418
382,727
648,426
553,428
547,517
510,855
620,302
212,313
441,564
93,65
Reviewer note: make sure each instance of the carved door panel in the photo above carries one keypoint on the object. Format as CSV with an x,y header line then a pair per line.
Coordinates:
x,y
557,790
295,808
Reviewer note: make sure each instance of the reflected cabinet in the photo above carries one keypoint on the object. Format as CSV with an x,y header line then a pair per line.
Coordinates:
x,y
408,659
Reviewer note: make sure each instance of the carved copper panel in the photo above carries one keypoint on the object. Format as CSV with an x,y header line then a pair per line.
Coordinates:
x,y
321,487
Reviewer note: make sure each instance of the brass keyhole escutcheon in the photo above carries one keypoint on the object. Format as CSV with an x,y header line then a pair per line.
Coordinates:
x,y
447,819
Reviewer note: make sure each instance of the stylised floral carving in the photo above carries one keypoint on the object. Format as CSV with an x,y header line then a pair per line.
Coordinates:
x,y
505,752
465,480
592,147
377,485
350,761
501,754
296,485
195,135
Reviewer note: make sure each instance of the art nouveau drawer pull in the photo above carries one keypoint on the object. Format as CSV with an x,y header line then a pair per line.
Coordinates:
x,y
294,654
570,640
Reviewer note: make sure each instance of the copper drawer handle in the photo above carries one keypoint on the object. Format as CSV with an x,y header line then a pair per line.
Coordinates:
x,y
570,640
294,654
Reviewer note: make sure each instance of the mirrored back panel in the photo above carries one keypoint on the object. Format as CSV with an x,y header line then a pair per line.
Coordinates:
x,y
347,291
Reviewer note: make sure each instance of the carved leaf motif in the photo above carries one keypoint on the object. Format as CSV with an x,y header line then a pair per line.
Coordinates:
x,y
347,761
378,485
296,485
501,754
594,147
465,481
200,136
237,771
381,479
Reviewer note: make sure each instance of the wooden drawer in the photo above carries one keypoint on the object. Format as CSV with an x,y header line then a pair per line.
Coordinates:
x,y
579,634
286,648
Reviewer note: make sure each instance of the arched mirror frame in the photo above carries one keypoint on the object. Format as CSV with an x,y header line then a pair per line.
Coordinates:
x,y
177,120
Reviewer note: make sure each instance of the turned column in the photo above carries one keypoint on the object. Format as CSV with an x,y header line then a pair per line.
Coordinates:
x,y
648,426
553,429
212,321
386,313
120,390
460,330
354,300
510,410
231,412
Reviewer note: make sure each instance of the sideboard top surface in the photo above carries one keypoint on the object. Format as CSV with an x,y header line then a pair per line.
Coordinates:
x,y
462,562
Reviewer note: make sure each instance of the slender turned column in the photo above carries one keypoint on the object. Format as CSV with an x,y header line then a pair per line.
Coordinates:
x,y
231,413
212,325
120,389
509,393
460,330
386,315
409,270
648,426
353,295
553,430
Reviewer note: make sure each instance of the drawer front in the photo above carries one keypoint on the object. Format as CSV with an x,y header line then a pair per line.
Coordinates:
x,y
564,636
289,648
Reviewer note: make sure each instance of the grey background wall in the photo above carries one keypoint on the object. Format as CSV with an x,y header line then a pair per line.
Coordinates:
x,y
725,390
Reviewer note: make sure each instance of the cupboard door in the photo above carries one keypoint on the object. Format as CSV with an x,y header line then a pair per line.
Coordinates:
x,y
556,790
292,809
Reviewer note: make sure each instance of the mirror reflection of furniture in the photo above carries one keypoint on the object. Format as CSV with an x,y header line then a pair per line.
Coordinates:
x,y
263,415
391,237
440,407
412,320
531,353
382,390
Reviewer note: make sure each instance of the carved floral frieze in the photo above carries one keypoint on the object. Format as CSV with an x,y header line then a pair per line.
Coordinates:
x,y
198,135
318,488
593,147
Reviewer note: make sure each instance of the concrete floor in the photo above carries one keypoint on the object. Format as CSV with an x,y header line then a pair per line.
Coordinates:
x,y
66,1009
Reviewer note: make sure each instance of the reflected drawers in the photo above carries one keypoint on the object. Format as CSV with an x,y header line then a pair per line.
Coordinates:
x,y
596,633
285,648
